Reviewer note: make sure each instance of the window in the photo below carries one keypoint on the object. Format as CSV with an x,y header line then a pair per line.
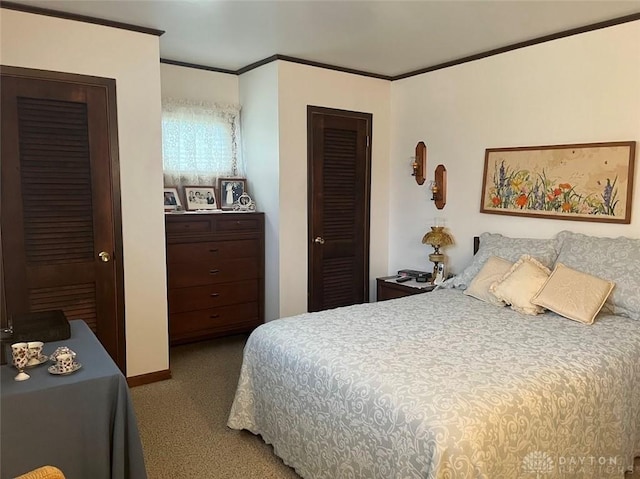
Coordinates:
x,y
200,142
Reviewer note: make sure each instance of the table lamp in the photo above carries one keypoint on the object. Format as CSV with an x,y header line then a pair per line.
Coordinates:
x,y
437,238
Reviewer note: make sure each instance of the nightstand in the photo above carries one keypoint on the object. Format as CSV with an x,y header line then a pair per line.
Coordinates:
x,y
387,288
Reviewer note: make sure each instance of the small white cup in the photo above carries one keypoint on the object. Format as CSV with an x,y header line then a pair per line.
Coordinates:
x,y
20,353
35,352
64,363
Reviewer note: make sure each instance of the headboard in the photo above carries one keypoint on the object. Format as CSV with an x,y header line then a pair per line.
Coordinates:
x,y
476,244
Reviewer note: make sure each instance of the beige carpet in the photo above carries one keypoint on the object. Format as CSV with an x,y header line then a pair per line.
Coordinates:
x,y
182,421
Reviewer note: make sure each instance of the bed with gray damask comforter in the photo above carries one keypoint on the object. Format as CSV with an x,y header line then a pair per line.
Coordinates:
x,y
441,385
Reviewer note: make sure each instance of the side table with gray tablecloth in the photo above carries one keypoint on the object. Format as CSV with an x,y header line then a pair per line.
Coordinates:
x,y
82,423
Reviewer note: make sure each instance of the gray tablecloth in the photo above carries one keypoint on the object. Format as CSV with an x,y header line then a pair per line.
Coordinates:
x,y
82,423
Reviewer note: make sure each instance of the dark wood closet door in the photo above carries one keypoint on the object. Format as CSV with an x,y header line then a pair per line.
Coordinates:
x,y
61,241
339,192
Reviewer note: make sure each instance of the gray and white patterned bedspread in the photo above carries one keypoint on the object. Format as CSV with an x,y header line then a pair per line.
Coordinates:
x,y
441,385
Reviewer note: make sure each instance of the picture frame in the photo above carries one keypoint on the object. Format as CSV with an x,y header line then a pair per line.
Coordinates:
x,y
200,198
578,182
171,199
230,190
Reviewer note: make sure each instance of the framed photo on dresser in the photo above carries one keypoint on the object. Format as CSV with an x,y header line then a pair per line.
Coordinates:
x,y
201,198
231,189
171,199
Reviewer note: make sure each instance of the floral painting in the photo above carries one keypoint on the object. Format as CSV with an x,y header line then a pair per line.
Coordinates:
x,y
588,182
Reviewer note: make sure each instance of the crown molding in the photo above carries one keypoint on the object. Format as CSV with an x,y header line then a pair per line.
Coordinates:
x,y
515,46
497,51
80,18
312,63
197,66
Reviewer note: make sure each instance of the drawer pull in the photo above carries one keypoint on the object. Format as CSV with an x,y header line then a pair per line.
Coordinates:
x,y
213,250
214,271
214,295
214,316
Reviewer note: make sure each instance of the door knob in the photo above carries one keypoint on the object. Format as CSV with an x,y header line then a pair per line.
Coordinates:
x,y
104,256
319,240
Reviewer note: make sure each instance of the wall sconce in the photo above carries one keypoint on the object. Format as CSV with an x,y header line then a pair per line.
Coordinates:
x,y
419,163
439,187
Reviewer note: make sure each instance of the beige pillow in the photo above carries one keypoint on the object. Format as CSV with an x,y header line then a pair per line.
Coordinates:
x,y
493,270
574,294
521,283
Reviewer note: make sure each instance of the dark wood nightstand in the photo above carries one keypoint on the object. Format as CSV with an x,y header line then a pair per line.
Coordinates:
x,y
387,288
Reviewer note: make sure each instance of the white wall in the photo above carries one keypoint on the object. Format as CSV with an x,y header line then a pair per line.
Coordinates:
x,y
578,89
299,86
257,92
35,41
198,85
274,100
259,99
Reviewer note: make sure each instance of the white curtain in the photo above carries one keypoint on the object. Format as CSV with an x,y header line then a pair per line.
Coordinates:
x,y
200,142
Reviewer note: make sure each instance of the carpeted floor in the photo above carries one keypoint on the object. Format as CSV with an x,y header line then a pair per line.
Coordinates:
x,y
182,421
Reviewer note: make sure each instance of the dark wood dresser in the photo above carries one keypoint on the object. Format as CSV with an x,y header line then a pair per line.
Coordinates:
x,y
215,274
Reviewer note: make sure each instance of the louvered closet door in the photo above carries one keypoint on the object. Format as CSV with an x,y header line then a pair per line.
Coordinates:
x,y
339,182
57,213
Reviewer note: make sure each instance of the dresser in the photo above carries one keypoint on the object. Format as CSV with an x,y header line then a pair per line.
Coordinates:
x,y
215,274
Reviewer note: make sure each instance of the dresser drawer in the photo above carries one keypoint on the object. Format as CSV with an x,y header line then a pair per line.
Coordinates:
x,y
211,251
228,225
212,295
198,273
192,226
213,319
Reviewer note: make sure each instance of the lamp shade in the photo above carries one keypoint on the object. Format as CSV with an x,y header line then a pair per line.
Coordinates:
x,y
437,237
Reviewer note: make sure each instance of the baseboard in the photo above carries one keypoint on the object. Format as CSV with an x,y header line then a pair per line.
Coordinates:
x,y
148,378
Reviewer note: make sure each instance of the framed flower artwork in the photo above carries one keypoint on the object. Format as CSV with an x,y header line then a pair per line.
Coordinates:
x,y
584,182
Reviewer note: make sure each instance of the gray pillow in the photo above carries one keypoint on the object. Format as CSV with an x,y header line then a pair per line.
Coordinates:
x,y
614,259
493,244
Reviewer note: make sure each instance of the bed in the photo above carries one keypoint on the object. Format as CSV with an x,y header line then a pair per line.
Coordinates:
x,y
443,385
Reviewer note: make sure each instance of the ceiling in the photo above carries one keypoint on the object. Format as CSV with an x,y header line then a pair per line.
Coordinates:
x,y
389,38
